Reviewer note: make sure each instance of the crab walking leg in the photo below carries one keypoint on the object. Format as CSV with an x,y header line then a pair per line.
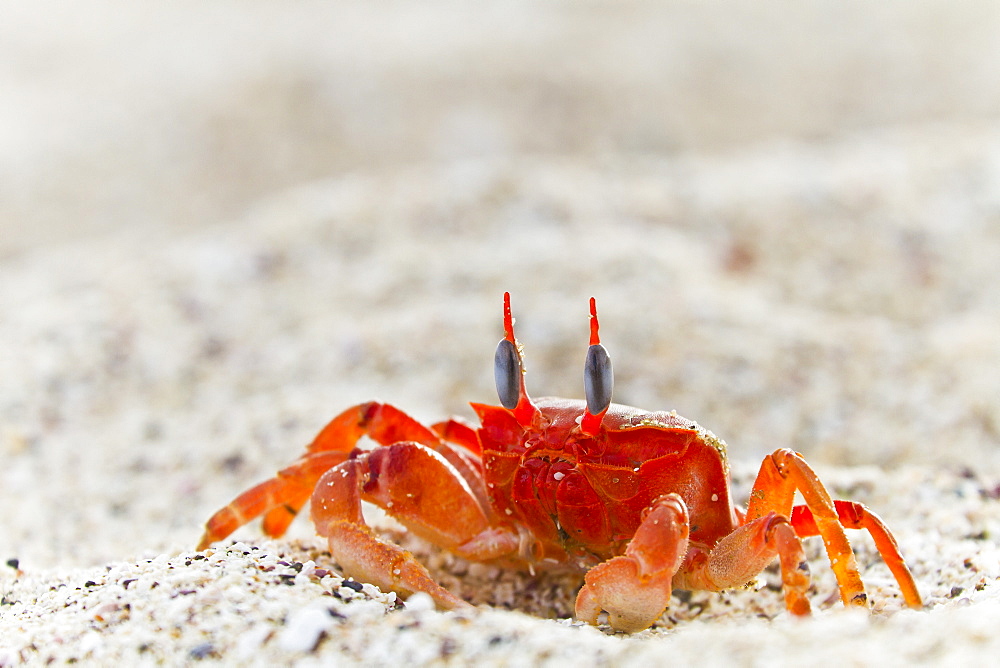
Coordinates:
x,y
634,588
420,488
462,449
281,498
383,423
739,557
458,431
784,472
855,515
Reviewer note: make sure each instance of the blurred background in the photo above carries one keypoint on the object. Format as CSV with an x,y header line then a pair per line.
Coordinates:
x,y
222,224
174,114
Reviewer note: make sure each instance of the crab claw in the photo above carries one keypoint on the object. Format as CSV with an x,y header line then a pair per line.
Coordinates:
x,y
634,588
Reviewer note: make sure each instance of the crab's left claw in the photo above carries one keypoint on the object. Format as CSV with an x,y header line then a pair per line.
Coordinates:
x,y
634,588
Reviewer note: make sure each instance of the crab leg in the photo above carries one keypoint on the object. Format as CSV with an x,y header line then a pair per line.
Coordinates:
x,y
462,449
784,472
740,556
420,488
634,588
855,515
281,498
460,432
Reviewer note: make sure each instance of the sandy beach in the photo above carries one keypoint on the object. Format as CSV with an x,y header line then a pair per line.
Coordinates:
x,y
221,227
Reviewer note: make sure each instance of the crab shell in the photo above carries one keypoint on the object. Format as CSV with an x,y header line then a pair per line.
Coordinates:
x,y
582,497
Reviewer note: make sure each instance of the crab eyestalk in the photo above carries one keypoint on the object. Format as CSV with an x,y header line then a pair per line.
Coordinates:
x,y
508,370
598,378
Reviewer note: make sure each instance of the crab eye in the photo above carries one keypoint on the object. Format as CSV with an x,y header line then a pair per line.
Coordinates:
x,y
598,379
507,371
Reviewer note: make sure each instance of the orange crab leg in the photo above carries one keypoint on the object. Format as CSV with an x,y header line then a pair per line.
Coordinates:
x,y
281,498
740,556
417,486
784,472
462,449
634,588
460,432
855,515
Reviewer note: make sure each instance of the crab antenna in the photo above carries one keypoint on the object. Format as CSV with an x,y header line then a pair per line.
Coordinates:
x,y
598,378
508,320
595,338
508,369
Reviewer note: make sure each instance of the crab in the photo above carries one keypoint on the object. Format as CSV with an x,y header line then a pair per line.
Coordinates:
x,y
638,501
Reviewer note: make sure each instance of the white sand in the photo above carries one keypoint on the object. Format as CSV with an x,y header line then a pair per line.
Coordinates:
x,y
218,229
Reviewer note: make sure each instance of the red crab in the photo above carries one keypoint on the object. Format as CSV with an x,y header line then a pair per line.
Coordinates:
x,y
637,500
